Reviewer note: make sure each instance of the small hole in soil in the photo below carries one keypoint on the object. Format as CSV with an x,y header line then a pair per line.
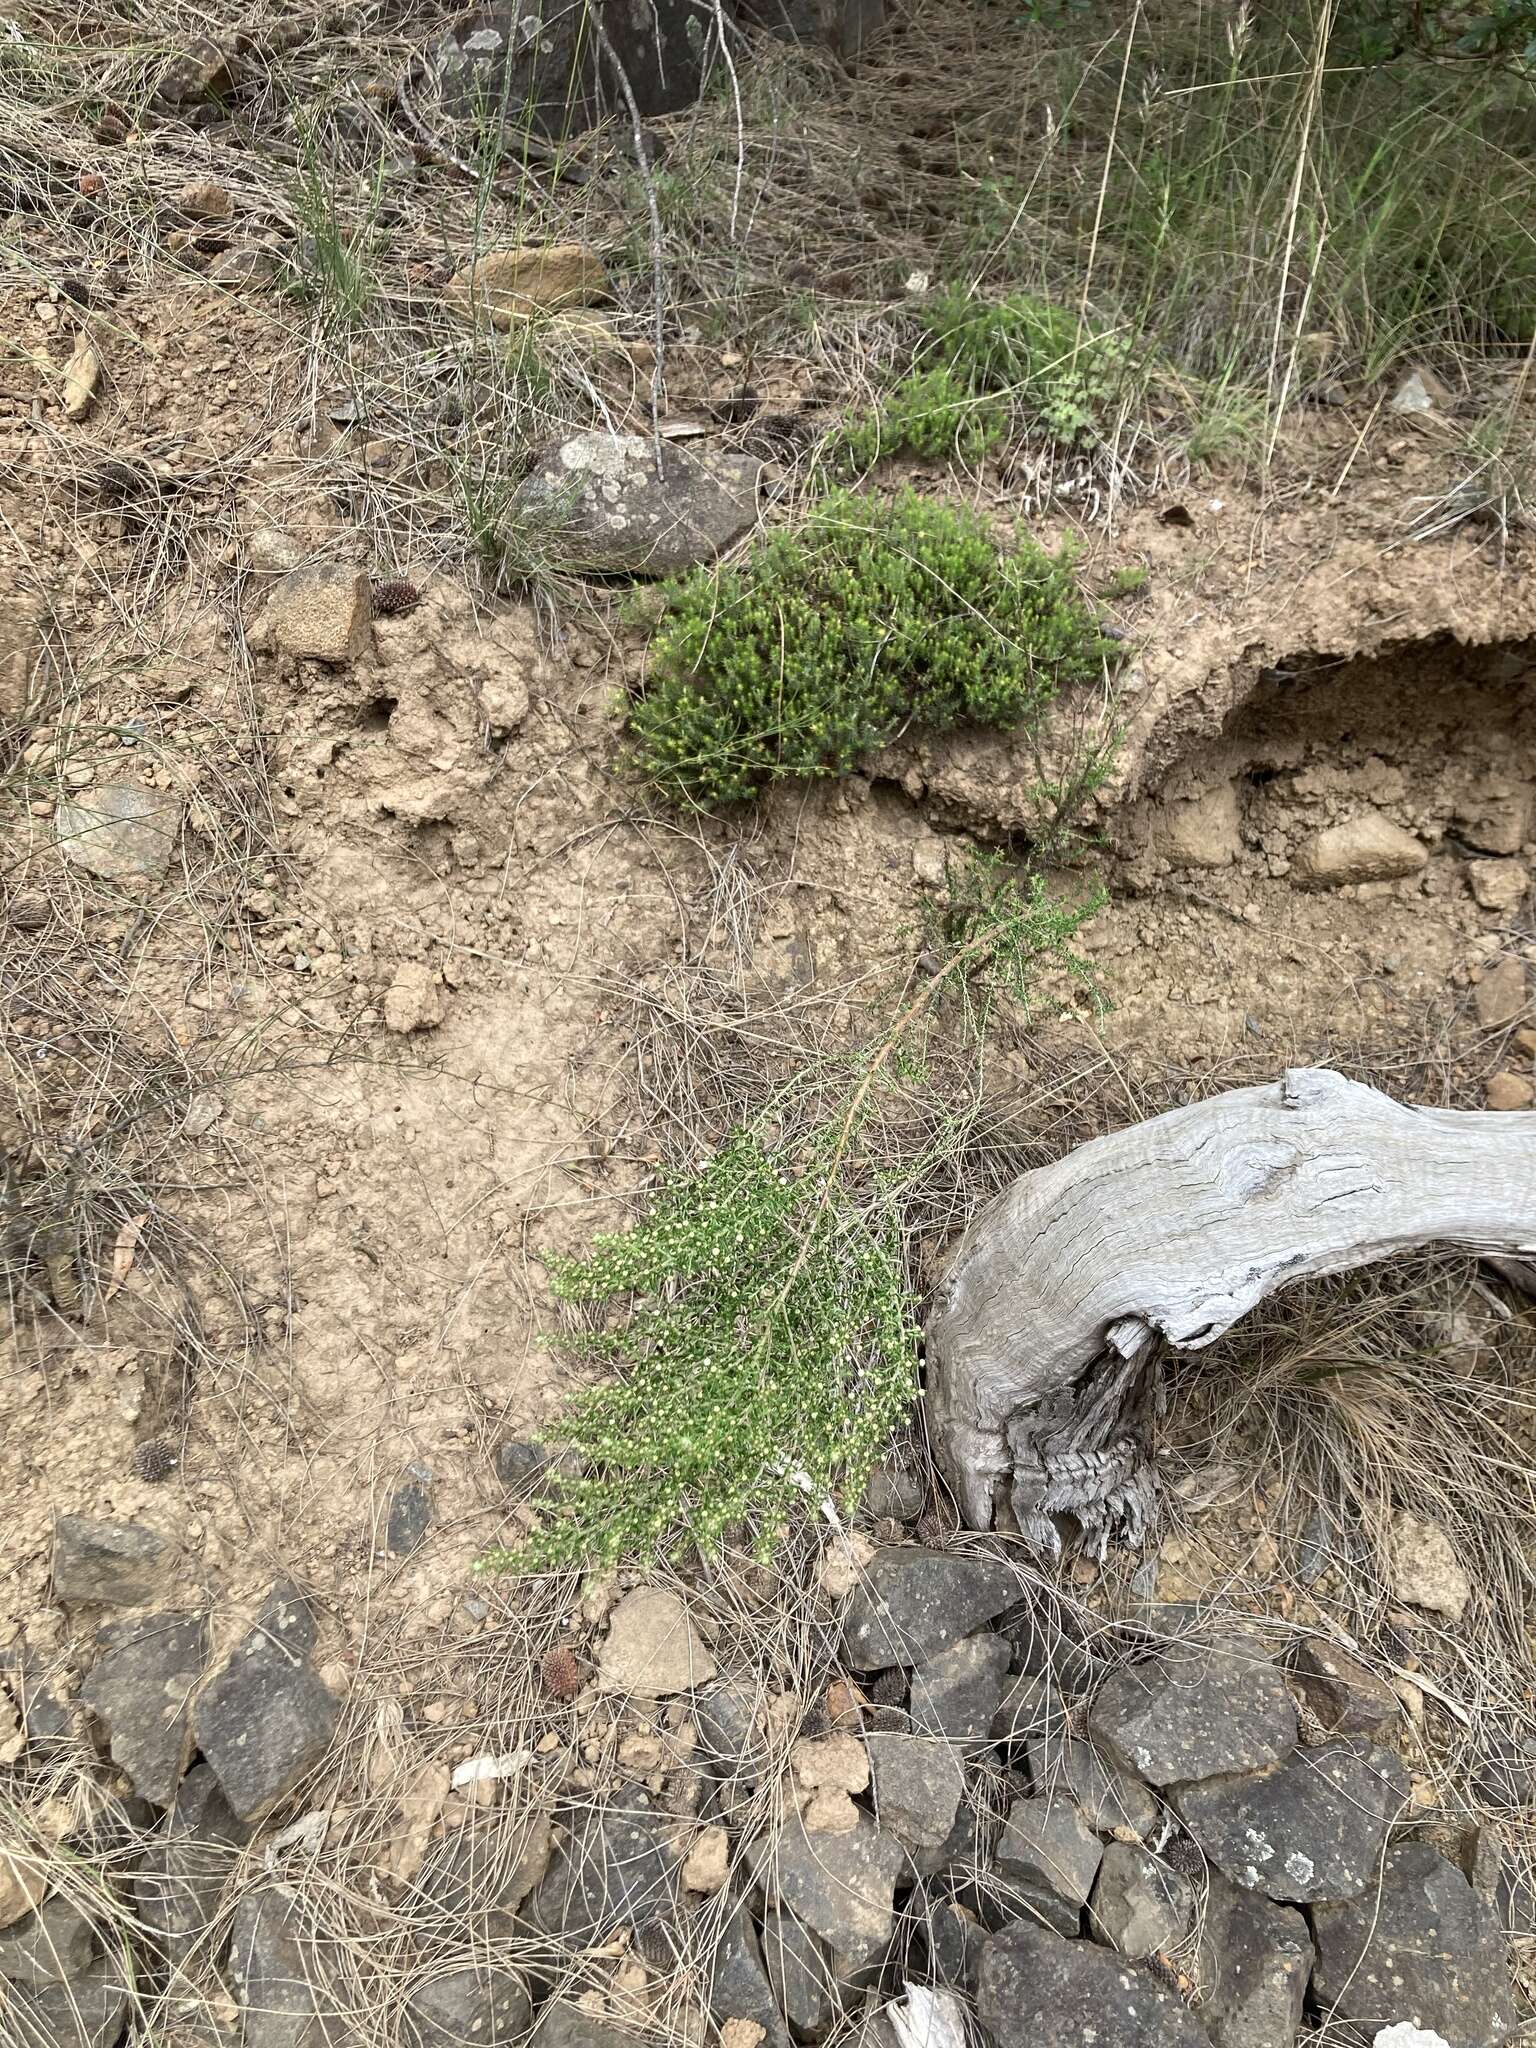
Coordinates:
x,y
377,713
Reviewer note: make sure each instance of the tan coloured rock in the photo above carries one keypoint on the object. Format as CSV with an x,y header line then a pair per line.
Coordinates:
x,y
1509,1091
652,1647
505,285
1203,833
204,199
82,376
1424,1569
1499,998
413,1000
708,1862
1495,822
21,646
322,612
1366,848
1499,884
22,1884
827,1771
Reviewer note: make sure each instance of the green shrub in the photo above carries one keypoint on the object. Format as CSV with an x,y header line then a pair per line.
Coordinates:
x,y
828,641
931,414
1062,375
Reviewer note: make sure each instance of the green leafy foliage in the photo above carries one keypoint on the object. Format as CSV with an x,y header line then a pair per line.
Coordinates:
x,y
761,1315
1063,375
830,640
931,414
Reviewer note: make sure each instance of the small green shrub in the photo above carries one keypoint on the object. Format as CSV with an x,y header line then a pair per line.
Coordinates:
x,y
761,1314
828,641
931,414
1064,376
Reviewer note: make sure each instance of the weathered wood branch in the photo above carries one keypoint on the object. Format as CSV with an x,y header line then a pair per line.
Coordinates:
x,y
1042,1336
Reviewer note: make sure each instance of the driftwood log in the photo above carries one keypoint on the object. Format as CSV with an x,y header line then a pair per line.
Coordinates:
x,y
1042,1343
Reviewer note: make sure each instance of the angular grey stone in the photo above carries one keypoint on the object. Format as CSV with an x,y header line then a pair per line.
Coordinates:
x,y
537,66
957,1693
1048,1642
1036,1990
287,1617
264,1721
119,831
49,1945
520,1465
799,1975
1255,1960
601,504
1195,1712
279,1976
842,1886
911,1604
1046,1842
88,2012
917,1784
566,2026
178,1885
1308,1829
619,1868
478,2005
738,1983
895,1492
1109,1797
141,1688
948,1943
111,1564
475,1880
410,1511
1420,1946
1139,1905
43,1706
1030,1710
1346,1695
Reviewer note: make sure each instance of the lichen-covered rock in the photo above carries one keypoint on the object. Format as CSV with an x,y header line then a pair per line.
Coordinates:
x,y
264,1721
1139,1905
1253,1966
1195,1712
1419,1946
618,504
799,1975
111,1564
280,1975
87,2012
1308,1829
911,1604
739,1989
842,1886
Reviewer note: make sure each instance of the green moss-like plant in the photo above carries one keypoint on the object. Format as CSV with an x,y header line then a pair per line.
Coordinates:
x,y
1061,374
828,641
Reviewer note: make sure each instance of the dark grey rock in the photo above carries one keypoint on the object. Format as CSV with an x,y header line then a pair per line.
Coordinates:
x,y
1506,1772
49,1945
799,1975
842,1886
912,1603
895,1492
410,1511
1036,1990
111,1564
1195,1712
917,1784
1047,1641
618,1868
1255,1959
1420,1946
140,1689
844,26
178,1885
287,1617
88,2012
1109,1797
1030,1710
566,2026
738,1984
477,2005
479,1875
1308,1829
265,1719
970,1843
1047,1843
942,1941
601,505
536,66
122,833
957,1693
520,1464
1346,1695
279,1976
40,1695
1139,1905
